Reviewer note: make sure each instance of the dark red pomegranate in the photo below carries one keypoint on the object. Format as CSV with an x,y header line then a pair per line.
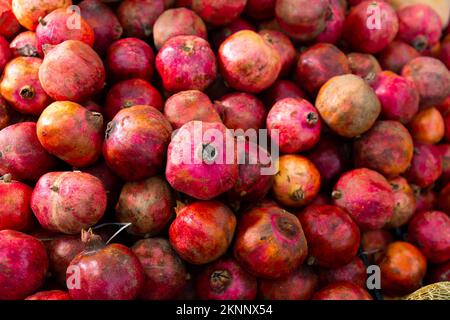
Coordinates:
x,y
354,272
137,17
396,55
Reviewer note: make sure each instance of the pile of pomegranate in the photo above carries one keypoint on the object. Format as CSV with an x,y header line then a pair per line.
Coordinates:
x,y
100,104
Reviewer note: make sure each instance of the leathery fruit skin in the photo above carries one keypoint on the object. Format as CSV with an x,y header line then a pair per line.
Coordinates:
x,y
355,272
202,231
68,202
342,291
71,132
137,17
396,55
405,202
270,242
50,295
427,126
24,265
364,65
218,12
367,197
374,242
426,165
24,45
285,49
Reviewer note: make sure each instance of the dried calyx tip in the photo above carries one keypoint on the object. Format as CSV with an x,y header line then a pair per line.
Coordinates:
x,y
6,178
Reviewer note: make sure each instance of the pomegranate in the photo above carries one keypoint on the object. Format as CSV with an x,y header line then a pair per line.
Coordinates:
x,y
332,236
50,295
403,267
426,199
5,53
9,24
364,65
186,63
221,34
367,196
370,26
284,47
198,160
131,92
270,242
165,273
186,106
430,231
225,279
72,71
68,202
71,132
405,202
426,166
427,126
248,62
345,98
387,148
202,231
299,285
297,122
24,265
178,22
218,12
396,55
142,126
354,272
419,26
137,17
334,24
374,243
21,154
104,23
320,63
342,291
241,111
260,9
24,45
282,89
104,272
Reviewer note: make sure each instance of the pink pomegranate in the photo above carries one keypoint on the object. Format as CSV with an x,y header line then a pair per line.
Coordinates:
x,y
186,106
24,45
178,22
137,17
396,55
202,231
260,9
426,166
142,126
355,272
5,53
298,124
198,160
284,47
21,154
419,26
131,92
71,132
165,274
248,62
282,89
342,291
334,24
426,199
68,202
147,205
15,213
270,242
130,58
28,12
9,24
186,63
370,26
225,279
20,86
104,23
104,272
241,111
72,71
364,65
218,12
367,197
405,202
221,34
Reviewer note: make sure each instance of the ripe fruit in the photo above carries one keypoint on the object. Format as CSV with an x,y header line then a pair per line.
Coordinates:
x,y
218,12
50,295
364,65
356,100
270,242
24,265
354,272
220,35
20,86
147,205
9,24
396,55
72,71
405,202
61,25
24,45
248,62
342,291
191,105
280,90
332,236
297,182
198,160
21,154
136,141
129,93
225,279
318,64
387,148
177,22
104,272
165,273
426,199
299,285
202,231
138,16
403,267
374,243
284,47
299,23
426,166
370,26
430,231
367,197
334,24
71,132
298,124
5,53
186,63
427,126
398,96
